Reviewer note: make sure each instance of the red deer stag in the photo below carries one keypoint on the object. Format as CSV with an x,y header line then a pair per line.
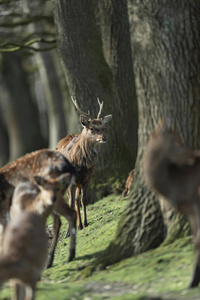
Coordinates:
x,y
173,171
25,244
43,163
81,150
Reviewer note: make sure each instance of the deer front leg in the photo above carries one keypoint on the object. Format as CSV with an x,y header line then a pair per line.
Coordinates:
x,y
61,208
56,231
195,224
196,273
83,203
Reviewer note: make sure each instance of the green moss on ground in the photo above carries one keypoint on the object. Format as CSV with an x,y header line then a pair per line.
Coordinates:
x,y
162,273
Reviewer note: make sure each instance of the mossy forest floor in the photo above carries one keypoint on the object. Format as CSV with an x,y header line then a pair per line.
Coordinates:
x,y
162,273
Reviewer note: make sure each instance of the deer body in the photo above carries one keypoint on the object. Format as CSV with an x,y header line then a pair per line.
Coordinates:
x,y
173,171
82,150
24,253
44,163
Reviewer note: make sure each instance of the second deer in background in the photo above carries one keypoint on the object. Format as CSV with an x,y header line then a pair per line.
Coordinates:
x,y
81,150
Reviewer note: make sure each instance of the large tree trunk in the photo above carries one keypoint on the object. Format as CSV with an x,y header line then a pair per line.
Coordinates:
x,y
88,76
165,39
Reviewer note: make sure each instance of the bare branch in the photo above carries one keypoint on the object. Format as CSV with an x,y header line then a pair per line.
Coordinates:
x,y
27,21
38,33
12,47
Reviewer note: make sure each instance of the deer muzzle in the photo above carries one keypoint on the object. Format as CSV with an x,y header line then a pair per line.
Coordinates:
x,y
102,139
53,199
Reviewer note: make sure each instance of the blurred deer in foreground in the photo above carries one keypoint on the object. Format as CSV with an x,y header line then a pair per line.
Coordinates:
x,y
25,244
43,163
81,150
174,172
33,197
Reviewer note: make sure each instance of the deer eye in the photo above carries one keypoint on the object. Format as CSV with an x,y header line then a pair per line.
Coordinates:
x,y
91,129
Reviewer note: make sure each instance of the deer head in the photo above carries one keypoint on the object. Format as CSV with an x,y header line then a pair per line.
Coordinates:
x,y
39,196
93,128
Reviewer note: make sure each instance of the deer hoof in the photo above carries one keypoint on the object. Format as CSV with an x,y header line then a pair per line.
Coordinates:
x,y
71,255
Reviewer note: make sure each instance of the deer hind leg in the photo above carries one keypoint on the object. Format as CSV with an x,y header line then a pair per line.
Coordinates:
x,y
77,206
30,291
19,291
71,193
195,224
61,208
83,203
56,231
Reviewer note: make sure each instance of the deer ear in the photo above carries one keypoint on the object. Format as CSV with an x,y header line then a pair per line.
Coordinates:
x,y
39,180
84,120
106,119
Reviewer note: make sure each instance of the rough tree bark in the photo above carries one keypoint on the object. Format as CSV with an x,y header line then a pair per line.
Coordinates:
x,y
89,76
115,36
165,38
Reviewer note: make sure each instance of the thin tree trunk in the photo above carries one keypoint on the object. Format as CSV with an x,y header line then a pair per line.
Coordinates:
x,y
48,72
21,113
53,96
4,149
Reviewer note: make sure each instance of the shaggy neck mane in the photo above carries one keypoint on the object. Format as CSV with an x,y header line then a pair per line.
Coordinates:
x,y
83,152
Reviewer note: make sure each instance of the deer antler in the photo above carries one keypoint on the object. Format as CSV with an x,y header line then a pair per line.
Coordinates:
x,y
100,108
79,109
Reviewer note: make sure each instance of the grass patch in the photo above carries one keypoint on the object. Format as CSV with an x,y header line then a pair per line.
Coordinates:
x,y
162,273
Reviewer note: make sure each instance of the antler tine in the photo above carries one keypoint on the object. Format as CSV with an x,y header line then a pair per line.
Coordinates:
x,y
79,109
100,108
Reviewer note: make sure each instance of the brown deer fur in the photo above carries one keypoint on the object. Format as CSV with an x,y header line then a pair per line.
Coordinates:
x,y
174,172
81,150
25,242
44,163
24,253
128,183
29,196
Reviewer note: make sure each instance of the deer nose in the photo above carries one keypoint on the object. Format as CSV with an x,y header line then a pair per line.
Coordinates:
x,y
53,199
104,138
